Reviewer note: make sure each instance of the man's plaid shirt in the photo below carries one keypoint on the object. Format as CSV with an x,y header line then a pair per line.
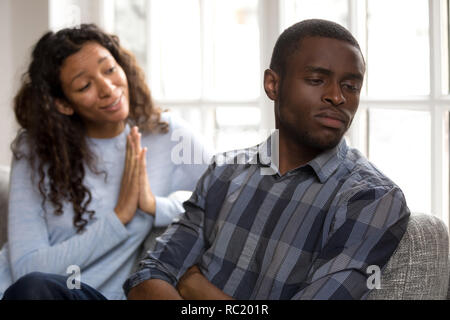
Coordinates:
x,y
309,234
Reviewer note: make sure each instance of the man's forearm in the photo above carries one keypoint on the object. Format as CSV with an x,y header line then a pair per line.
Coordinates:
x,y
193,285
197,287
154,289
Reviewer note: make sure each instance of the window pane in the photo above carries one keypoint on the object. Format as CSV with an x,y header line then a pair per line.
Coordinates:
x,y
231,56
63,14
445,59
238,116
237,138
202,120
297,10
130,26
399,145
175,68
398,48
238,127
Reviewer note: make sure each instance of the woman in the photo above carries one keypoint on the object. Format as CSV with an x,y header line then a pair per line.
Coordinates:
x,y
92,167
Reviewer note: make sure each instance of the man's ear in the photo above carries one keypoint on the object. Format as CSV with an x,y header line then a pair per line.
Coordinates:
x,y
63,107
271,84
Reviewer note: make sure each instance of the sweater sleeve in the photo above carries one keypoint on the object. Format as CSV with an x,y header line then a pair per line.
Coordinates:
x,y
190,157
29,239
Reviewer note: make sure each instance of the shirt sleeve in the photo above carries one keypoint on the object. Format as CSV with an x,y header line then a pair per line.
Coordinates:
x,y
30,247
375,221
181,246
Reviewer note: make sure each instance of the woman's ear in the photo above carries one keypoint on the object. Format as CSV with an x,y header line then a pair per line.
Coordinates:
x,y
63,107
271,84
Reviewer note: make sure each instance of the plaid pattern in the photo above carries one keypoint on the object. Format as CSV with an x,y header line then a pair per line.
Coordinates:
x,y
310,234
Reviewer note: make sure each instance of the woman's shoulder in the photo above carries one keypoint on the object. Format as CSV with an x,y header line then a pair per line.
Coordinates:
x,y
175,121
21,146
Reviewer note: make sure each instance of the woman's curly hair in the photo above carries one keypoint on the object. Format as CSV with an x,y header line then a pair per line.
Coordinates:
x,y
57,144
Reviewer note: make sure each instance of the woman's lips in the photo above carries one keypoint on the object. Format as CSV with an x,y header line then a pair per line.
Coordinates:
x,y
114,106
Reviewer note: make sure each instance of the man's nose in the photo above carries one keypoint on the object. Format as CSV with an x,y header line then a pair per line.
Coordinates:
x,y
334,95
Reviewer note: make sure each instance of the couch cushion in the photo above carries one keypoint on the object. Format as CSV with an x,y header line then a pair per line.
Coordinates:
x,y
4,186
419,268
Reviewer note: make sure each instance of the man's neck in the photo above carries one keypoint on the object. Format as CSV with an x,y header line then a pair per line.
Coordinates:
x,y
292,154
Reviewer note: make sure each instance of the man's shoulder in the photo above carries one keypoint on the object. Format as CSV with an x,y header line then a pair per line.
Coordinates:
x,y
227,164
362,174
237,156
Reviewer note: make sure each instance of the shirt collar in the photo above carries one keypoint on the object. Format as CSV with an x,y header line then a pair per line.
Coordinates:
x,y
324,165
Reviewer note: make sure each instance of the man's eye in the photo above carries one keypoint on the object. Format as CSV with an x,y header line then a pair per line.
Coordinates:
x,y
314,82
352,87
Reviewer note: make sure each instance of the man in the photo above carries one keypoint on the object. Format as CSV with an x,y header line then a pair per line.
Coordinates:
x,y
311,228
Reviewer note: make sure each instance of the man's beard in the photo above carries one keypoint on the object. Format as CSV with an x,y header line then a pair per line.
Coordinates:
x,y
304,137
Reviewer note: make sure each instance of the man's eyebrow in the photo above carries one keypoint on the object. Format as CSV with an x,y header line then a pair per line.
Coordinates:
x,y
318,70
82,72
327,72
354,76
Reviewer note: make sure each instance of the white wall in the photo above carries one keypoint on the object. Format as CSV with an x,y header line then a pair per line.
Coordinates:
x,y
6,81
22,23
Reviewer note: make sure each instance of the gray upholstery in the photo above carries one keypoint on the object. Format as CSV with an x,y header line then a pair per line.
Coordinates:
x,y
419,268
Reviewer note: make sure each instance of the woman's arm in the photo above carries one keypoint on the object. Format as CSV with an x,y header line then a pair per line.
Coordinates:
x,y
188,158
30,241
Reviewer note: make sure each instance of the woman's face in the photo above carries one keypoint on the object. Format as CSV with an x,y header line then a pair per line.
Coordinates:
x,y
96,88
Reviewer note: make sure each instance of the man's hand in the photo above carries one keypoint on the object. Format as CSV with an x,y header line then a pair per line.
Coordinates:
x,y
193,285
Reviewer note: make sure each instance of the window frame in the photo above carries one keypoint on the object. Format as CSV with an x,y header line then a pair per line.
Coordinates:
x,y
437,103
270,15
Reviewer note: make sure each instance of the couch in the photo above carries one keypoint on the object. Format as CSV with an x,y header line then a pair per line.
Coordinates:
x,y
418,269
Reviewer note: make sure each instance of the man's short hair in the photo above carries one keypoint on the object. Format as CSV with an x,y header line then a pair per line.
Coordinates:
x,y
290,40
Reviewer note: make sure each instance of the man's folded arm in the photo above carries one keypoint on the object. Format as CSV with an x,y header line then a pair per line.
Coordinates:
x,y
375,221
154,289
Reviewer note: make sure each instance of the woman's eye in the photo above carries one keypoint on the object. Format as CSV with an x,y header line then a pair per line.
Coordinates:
x,y
111,70
84,88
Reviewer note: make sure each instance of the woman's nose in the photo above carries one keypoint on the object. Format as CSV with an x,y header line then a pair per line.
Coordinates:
x,y
105,87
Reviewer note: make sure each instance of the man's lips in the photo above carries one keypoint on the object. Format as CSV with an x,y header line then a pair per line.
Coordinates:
x,y
332,119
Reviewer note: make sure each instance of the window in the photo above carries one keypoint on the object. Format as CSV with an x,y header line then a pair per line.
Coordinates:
x,y
205,59
203,62
402,122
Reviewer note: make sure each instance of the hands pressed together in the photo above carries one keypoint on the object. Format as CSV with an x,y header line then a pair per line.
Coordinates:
x,y
135,191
